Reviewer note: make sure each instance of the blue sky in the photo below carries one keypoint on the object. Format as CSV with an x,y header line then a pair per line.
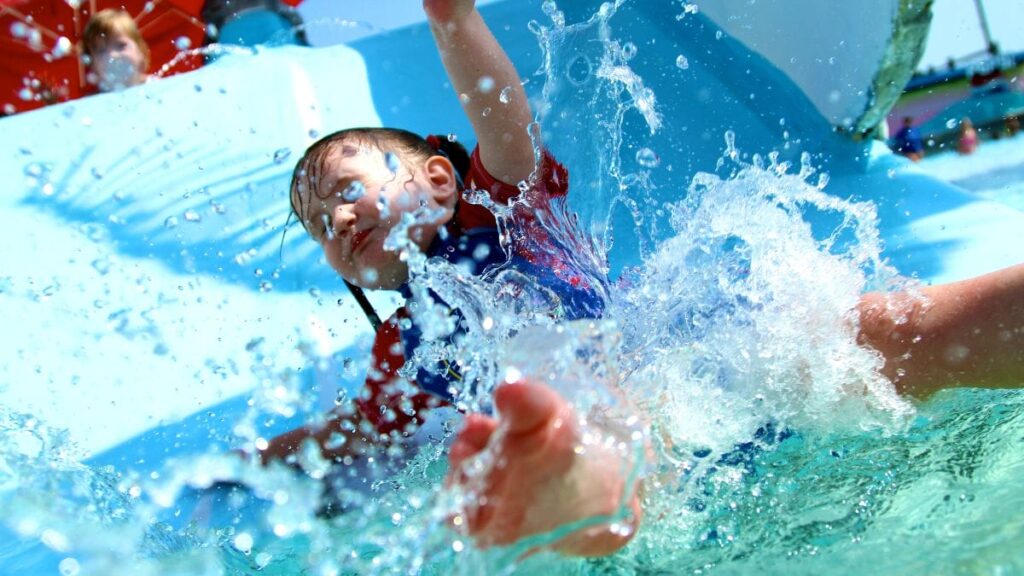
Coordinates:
x,y
955,29
956,32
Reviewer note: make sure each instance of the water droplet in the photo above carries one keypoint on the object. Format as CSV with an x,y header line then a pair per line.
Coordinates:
x,y
353,192
69,567
682,63
506,95
392,162
35,170
101,265
718,35
281,154
243,543
551,10
485,84
182,43
629,181
579,70
822,181
314,133
730,145
452,137
266,286
951,123
328,227
62,48
647,158
192,216
262,559
481,252
486,112
628,50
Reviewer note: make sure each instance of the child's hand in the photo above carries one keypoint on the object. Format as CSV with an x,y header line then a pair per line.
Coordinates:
x,y
540,480
448,11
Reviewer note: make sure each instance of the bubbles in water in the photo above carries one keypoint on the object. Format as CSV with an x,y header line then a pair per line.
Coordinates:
x,y
182,43
506,95
353,191
281,154
682,62
718,34
192,216
647,158
485,84
452,137
951,123
266,286
314,133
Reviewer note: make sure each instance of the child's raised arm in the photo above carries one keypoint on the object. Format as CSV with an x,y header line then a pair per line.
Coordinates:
x,y
480,72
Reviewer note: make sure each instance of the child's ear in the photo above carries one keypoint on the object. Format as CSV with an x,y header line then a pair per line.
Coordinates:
x,y
444,185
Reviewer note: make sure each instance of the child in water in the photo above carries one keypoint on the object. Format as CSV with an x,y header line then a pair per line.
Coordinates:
x,y
118,56
353,188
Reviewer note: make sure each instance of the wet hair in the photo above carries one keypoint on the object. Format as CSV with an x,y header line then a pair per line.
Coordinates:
x,y
108,22
408,146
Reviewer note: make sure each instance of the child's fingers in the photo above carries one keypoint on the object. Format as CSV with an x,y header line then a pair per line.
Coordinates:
x,y
525,406
473,437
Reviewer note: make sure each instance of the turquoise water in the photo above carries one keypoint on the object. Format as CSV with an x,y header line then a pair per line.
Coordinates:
x,y
779,449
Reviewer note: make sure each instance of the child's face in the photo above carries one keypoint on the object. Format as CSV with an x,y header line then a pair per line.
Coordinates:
x,y
351,227
117,62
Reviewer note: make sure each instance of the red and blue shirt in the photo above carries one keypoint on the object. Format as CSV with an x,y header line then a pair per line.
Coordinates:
x,y
473,241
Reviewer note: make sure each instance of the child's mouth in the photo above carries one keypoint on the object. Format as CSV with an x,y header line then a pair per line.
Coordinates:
x,y
358,239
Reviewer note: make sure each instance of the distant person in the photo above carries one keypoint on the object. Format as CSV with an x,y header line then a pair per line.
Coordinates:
x,y
968,141
118,56
908,140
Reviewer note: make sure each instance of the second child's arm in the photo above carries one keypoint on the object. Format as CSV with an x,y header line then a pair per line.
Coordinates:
x,y
470,54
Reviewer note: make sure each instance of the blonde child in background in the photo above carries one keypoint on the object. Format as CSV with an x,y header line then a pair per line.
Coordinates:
x,y
118,57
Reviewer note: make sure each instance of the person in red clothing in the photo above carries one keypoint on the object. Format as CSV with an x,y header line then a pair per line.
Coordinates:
x,y
354,189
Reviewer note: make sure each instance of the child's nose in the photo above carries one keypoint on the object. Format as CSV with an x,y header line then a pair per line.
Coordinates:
x,y
344,216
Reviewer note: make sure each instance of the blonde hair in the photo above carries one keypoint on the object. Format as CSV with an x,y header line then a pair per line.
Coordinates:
x,y
108,22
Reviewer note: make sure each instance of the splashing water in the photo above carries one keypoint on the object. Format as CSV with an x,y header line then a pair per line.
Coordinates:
x,y
775,439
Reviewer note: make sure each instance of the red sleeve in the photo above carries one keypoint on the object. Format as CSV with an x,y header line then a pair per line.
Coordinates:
x,y
388,401
551,181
